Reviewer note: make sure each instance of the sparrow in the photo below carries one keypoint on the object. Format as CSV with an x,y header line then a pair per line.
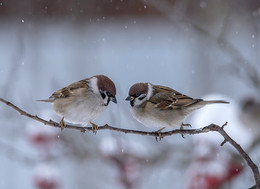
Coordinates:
x,y
83,101
163,107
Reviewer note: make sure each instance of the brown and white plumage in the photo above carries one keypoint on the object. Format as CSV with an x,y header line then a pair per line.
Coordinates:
x,y
160,106
75,89
84,100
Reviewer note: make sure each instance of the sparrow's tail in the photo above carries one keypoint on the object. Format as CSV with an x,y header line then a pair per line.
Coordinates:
x,y
47,100
214,101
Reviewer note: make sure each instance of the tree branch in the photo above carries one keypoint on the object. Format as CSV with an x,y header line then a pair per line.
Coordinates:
x,y
209,128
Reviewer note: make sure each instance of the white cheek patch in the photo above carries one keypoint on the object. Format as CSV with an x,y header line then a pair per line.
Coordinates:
x,y
93,85
150,91
105,100
138,101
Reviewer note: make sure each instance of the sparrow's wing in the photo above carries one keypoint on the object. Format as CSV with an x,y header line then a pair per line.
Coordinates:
x,y
166,98
73,89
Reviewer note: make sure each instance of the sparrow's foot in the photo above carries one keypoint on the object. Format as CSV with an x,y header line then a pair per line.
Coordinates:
x,y
182,126
159,134
62,124
94,128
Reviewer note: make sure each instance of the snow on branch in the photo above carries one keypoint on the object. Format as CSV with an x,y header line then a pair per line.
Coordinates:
x,y
209,128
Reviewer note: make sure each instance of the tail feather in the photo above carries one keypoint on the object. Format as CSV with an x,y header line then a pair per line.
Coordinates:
x,y
46,100
214,101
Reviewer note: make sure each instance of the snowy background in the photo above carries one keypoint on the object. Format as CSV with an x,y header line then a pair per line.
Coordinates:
x,y
195,47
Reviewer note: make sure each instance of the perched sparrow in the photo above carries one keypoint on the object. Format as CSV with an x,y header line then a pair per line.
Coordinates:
x,y
163,107
83,101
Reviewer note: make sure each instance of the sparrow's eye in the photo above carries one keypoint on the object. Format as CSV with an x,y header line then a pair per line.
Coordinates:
x,y
109,94
102,94
136,95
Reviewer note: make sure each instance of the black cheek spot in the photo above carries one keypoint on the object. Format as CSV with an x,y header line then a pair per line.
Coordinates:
x,y
142,98
103,95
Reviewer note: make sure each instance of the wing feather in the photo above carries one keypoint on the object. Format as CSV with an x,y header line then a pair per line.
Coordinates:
x,y
166,98
70,90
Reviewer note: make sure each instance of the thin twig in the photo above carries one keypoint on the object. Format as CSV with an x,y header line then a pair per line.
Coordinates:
x,y
108,127
209,128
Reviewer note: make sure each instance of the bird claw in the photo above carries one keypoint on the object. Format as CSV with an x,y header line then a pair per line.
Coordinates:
x,y
182,126
94,128
62,124
159,132
83,130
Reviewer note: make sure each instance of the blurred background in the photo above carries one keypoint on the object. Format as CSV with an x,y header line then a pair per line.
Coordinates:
x,y
205,49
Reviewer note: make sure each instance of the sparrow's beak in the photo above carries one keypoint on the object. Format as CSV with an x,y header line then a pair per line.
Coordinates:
x,y
113,99
129,98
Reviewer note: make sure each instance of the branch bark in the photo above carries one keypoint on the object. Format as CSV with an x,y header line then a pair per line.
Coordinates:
x,y
209,128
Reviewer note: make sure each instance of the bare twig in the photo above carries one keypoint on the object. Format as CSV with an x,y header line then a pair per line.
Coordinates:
x,y
209,128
